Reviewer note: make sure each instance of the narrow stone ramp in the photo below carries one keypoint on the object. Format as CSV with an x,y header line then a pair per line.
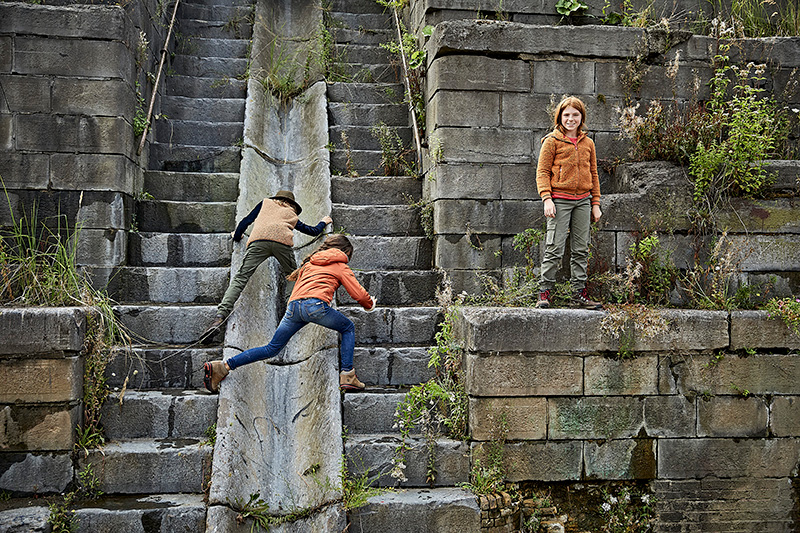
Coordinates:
x,y
393,261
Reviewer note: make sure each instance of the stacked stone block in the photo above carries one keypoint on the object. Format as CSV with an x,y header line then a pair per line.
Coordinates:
x,y
42,367
491,87
691,411
68,75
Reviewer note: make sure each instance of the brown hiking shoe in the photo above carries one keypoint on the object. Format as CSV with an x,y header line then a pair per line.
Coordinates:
x,y
544,299
213,330
215,372
349,381
581,299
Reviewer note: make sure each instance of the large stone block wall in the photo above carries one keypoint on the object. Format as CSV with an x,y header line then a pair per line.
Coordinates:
x,y
40,401
490,88
68,78
718,435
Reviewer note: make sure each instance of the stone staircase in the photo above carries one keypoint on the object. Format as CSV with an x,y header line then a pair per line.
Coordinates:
x,y
156,464
393,261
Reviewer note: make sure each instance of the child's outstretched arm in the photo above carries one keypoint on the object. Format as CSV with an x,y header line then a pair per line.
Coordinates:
x,y
313,230
355,290
246,221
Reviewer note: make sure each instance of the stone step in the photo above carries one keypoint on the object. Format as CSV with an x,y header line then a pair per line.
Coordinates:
x,y
349,114
362,36
166,324
192,186
358,6
359,20
371,412
189,158
394,325
371,73
179,249
368,138
199,132
21,515
162,414
219,13
147,466
209,67
219,2
373,454
366,93
169,284
185,513
443,510
403,287
391,253
207,109
193,87
393,366
362,162
185,217
160,368
364,53
200,47
374,190
234,29
383,220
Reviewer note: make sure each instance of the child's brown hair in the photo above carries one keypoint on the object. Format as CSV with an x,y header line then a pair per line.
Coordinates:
x,y
334,240
569,101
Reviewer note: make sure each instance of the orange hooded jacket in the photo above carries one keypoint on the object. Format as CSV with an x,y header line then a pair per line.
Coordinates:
x,y
567,171
324,273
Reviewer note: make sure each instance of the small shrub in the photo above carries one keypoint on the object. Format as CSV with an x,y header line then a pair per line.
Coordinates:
x,y
628,511
788,310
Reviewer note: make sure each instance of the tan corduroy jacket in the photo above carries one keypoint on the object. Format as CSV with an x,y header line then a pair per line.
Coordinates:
x,y
567,171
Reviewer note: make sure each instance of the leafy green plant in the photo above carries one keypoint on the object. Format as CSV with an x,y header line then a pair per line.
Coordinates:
x,y
140,122
628,511
425,208
709,284
569,8
527,242
440,403
489,476
357,489
627,15
211,435
788,310
627,322
62,514
394,156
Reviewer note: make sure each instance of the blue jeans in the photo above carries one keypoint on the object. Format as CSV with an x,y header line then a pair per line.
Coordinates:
x,y
298,314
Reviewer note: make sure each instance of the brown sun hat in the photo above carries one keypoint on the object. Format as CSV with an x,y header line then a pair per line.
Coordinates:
x,y
288,196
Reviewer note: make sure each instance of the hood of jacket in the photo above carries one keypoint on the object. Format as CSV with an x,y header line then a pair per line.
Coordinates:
x,y
329,256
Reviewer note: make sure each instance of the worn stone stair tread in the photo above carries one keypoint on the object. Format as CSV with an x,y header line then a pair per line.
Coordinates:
x,y
374,453
394,325
364,53
165,324
172,216
220,110
367,138
148,367
369,115
194,87
378,73
192,186
159,414
386,220
146,466
365,93
363,20
180,249
371,413
199,133
210,66
405,288
184,513
396,253
358,6
443,510
137,284
375,190
371,36
216,28
194,158
208,11
381,367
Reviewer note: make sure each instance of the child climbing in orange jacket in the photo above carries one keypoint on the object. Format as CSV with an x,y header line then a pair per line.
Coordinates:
x,y
316,282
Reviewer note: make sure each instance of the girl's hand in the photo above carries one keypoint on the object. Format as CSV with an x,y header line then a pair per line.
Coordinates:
x,y
596,213
550,208
327,220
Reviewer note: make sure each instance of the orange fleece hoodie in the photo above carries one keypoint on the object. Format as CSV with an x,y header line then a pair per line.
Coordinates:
x,y
567,171
324,273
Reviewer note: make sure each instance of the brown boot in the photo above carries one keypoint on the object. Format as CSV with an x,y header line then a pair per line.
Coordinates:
x,y
215,372
213,330
349,381
581,299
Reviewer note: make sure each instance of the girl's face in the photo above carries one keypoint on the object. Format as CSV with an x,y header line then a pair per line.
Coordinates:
x,y
571,119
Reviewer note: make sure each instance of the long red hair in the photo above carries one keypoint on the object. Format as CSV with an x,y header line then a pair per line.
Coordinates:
x,y
569,101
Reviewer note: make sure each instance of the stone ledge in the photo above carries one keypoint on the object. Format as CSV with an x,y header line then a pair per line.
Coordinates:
x,y
42,330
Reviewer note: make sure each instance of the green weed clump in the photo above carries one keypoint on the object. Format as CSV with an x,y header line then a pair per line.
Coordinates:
x,y
788,310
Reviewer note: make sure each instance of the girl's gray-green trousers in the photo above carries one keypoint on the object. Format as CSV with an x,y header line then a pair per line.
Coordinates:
x,y
573,218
